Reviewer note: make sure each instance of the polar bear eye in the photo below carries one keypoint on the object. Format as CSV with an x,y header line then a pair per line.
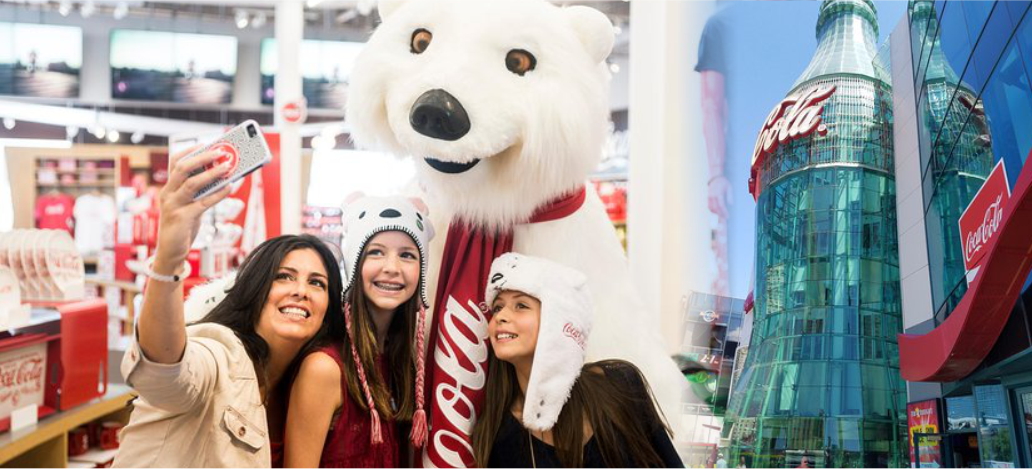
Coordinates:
x,y
520,61
420,41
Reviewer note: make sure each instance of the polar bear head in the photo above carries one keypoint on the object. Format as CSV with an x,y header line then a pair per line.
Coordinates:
x,y
502,103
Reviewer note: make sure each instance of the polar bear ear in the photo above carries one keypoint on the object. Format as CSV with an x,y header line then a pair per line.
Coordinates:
x,y
387,7
594,30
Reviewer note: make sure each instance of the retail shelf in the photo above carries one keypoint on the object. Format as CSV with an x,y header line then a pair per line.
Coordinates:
x,y
129,287
45,444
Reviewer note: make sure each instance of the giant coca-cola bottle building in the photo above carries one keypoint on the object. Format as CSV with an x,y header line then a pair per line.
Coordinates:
x,y
822,381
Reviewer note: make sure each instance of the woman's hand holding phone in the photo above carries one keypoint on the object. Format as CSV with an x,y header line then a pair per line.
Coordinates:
x,y
179,212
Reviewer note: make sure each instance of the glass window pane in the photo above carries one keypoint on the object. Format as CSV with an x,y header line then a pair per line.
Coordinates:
x,y
990,45
1008,111
994,437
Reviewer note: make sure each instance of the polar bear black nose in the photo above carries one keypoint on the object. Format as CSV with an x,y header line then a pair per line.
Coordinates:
x,y
437,114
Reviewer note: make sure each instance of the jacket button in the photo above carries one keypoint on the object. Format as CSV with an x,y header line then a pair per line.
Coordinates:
x,y
242,431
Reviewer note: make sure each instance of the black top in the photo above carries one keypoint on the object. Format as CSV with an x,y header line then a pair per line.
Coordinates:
x,y
511,444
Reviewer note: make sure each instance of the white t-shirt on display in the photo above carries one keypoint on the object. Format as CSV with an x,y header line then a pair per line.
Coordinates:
x,y
95,216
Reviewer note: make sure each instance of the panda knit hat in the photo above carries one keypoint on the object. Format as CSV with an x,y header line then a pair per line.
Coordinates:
x,y
566,320
363,219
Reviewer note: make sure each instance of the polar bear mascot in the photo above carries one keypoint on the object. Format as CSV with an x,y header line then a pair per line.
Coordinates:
x,y
503,104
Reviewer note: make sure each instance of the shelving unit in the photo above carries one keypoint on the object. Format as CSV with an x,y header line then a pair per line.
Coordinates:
x,y
45,444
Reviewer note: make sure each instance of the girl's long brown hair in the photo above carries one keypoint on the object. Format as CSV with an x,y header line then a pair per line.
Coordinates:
x,y
400,352
612,394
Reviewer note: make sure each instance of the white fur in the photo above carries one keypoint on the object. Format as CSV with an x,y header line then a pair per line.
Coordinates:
x,y
203,298
538,136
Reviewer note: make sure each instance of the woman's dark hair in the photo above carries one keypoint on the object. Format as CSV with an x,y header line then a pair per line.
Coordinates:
x,y
612,394
400,351
242,308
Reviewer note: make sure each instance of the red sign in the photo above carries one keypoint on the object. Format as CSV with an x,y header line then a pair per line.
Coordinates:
x,y
804,119
923,419
22,378
981,219
295,112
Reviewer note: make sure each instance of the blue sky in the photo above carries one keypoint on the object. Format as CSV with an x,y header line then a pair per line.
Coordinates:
x,y
772,43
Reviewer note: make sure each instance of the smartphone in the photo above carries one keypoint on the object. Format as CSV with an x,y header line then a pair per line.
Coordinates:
x,y
243,147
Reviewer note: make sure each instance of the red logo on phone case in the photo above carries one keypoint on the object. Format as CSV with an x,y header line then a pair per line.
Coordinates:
x,y
227,153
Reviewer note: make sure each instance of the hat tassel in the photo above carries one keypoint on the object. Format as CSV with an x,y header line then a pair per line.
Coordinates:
x,y
376,432
419,423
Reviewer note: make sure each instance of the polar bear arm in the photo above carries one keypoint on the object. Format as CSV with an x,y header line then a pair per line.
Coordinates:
x,y
594,30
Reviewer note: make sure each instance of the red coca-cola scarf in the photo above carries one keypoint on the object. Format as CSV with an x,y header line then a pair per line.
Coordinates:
x,y
457,368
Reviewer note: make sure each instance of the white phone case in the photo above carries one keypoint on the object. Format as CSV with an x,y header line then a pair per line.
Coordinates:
x,y
249,152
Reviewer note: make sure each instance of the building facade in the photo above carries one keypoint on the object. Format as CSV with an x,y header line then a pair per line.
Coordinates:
x,y
822,386
962,81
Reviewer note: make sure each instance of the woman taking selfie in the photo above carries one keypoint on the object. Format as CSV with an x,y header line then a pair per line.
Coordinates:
x,y
349,396
212,393
545,407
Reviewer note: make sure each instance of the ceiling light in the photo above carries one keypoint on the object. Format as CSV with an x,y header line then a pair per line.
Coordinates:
x,y
98,132
121,10
9,123
615,68
87,9
65,8
113,136
136,137
259,20
241,19
71,131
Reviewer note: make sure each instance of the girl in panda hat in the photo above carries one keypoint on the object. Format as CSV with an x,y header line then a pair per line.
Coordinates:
x,y
376,364
545,407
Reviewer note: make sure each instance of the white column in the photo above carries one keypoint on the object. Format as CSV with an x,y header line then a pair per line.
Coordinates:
x,y
290,26
668,220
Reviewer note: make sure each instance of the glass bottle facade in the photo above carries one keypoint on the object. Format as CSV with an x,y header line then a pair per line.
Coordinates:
x,y
822,380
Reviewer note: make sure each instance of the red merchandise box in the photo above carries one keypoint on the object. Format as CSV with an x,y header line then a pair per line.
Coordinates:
x,y
123,253
84,357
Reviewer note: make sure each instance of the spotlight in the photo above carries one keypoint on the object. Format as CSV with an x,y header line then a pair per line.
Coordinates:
x,y
615,68
87,9
65,8
241,19
617,30
136,137
9,123
98,132
72,131
121,10
259,20
113,136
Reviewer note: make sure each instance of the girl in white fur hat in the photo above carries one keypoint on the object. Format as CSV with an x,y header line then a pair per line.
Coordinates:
x,y
545,407
376,364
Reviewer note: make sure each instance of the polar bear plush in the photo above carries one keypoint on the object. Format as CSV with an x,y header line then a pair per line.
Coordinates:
x,y
503,104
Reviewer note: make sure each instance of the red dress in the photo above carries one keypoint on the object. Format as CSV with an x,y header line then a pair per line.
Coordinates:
x,y
348,443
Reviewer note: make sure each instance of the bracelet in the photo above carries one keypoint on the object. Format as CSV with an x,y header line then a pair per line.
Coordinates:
x,y
148,271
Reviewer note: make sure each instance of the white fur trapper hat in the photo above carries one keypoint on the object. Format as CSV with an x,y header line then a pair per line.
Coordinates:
x,y
368,216
566,319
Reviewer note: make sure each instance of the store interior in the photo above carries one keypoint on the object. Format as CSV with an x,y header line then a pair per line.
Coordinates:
x,y
96,94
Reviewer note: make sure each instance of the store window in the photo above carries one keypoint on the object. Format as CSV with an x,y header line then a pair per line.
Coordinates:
x,y
960,414
1008,111
994,436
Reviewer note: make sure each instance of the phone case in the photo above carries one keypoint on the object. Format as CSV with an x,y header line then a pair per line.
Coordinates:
x,y
246,153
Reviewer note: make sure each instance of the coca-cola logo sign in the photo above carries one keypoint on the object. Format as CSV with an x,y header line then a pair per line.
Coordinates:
x,y
980,221
576,334
784,125
22,378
